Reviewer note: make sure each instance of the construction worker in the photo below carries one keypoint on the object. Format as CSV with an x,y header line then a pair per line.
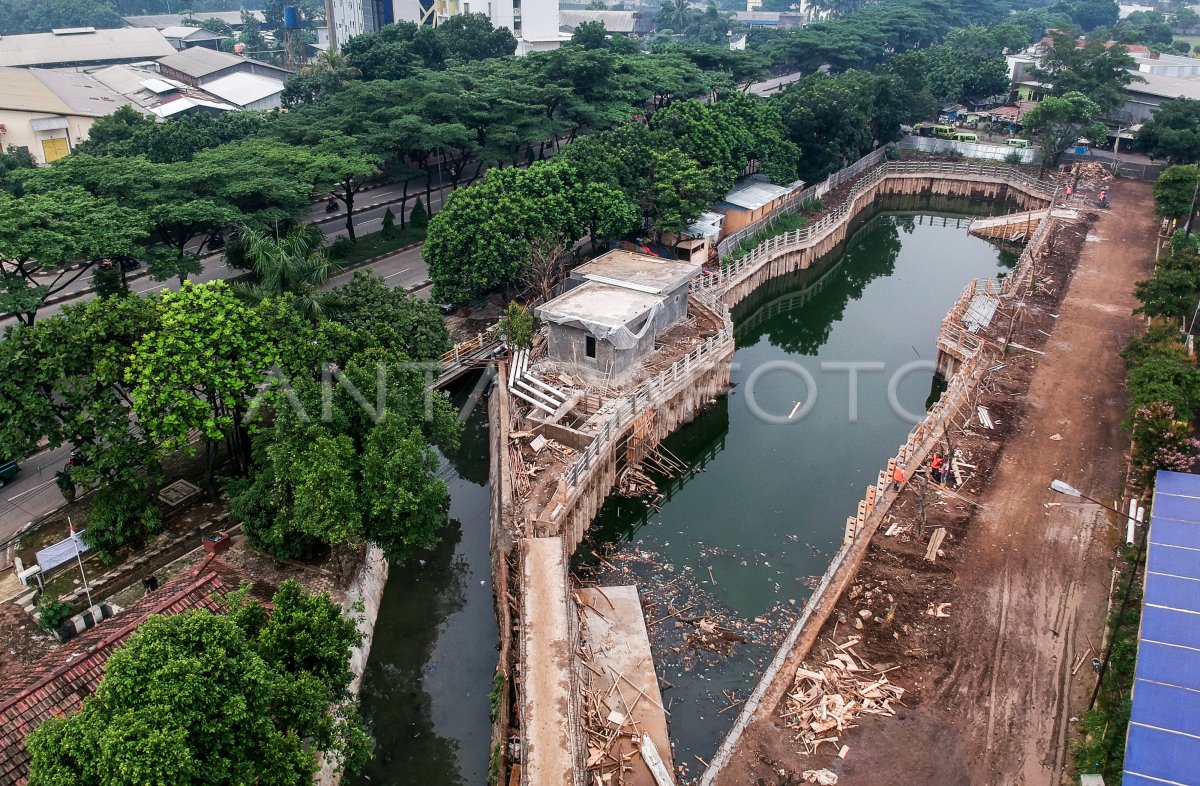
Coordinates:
x,y
898,477
938,468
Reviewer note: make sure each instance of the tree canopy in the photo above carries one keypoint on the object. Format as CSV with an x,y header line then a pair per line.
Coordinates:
x,y
1172,133
210,699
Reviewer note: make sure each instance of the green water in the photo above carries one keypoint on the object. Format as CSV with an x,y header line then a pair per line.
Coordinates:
x,y
425,693
769,510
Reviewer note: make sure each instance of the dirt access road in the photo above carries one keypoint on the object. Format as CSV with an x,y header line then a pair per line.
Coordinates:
x,y
990,692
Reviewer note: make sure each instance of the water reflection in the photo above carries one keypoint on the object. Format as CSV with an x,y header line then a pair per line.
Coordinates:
x,y
425,691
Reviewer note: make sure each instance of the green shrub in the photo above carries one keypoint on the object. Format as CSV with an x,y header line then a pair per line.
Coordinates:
x,y
1013,158
122,515
419,217
341,248
389,225
497,693
52,612
517,325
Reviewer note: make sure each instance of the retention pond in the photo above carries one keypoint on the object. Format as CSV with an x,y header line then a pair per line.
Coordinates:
x,y
744,539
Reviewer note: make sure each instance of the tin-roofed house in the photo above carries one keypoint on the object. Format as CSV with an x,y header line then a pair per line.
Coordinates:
x,y
754,199
617,305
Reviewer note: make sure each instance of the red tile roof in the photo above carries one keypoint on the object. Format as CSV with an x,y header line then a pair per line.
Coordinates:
x,y
59,683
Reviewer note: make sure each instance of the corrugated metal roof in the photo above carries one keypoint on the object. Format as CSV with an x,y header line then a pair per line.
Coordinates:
x,y
185,103
707,225
627,22
49,123
1163,743
231,18
753,194
243,89
100,46
56,92
1166,86
186,33
198,62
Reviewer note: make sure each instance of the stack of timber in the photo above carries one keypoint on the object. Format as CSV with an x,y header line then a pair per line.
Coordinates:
x,y
826,699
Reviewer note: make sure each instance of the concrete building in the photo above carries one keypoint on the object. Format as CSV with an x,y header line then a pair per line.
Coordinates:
x,y
49,112
633,24
534,23
617,305
83,46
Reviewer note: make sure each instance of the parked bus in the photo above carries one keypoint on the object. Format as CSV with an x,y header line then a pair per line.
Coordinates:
x,y
1017,143
963,136
943,132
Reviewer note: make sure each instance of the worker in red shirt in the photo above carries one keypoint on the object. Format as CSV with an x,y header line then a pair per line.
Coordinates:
x,y
898,477
938,468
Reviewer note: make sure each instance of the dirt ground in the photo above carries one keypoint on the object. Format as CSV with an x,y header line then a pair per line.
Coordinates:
x,y
990,694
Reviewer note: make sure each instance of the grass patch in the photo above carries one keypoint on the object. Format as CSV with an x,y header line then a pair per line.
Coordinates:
x,y
349,254
1101,749
788,222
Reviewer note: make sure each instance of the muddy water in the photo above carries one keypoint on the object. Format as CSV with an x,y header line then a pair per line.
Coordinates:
x,y
425,691
745,537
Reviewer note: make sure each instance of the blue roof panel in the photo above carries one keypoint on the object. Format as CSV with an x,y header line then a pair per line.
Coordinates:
x,y
1170,532
1164,663
1153,753
1173,592
1167,707
1172,560
1163,743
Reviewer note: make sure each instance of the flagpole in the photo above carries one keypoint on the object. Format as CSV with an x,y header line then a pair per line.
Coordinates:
x,y
79,557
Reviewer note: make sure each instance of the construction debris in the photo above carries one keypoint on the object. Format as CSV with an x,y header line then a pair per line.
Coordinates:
x,y
935,544
821,777
825,701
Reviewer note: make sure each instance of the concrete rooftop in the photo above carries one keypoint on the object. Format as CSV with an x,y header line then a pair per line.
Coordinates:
x,y
605,305
652,275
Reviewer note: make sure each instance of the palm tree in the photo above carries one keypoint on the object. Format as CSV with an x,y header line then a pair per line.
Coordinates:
x,y
293,263
675,15
334,63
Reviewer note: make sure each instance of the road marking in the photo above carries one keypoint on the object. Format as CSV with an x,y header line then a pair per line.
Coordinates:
x,y
33,490
397,273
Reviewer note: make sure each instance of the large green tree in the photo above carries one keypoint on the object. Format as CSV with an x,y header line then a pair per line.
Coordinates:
x,y
1173,132
363,470
1175,191
214,700
1097,71
480,240
48,240
199,368
1057,122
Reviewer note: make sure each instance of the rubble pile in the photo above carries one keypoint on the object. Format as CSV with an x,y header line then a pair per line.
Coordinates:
x,y
825,700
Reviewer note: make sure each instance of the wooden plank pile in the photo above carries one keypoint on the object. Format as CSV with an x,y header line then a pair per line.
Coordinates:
x,y
826,699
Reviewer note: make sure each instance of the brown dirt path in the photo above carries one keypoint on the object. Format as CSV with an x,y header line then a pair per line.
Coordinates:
x,y
1031,589
990,702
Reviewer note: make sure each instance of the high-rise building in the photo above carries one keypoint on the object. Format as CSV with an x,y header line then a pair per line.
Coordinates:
x,y
534,23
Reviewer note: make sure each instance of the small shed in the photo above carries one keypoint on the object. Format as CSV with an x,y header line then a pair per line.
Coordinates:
x,y
615,307
753,199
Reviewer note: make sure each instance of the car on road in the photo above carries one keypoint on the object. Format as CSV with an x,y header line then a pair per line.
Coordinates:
x,y
8,471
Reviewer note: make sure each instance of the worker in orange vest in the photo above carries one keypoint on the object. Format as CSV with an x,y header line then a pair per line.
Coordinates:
x,y
938,467
898,477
